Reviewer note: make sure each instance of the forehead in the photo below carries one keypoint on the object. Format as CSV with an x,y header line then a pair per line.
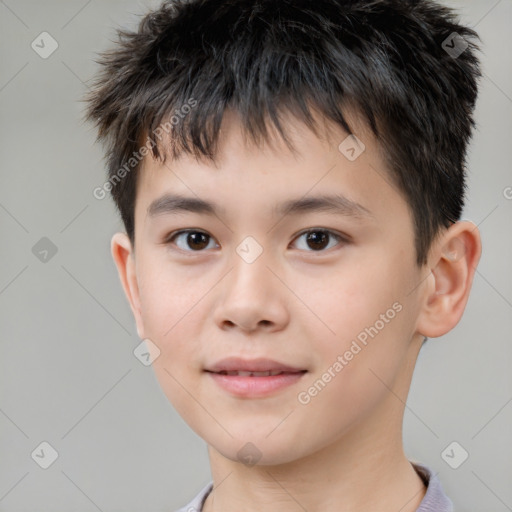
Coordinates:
x,y
271,177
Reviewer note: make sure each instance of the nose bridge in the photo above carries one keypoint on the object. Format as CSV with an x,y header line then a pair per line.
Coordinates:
x,y
250,294
250,275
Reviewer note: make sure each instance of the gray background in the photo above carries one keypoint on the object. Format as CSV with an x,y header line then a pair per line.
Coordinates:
x,y
68,375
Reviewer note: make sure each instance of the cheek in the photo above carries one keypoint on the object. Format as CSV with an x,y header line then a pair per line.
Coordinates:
x,y
167,298
171,313
353,377
169,308
361,332
343,302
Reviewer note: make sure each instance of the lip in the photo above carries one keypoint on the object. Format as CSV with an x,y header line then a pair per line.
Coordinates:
x,y
253,386
230,364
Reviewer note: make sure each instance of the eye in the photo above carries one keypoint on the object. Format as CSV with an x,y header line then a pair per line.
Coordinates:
x,y
318,239
191,240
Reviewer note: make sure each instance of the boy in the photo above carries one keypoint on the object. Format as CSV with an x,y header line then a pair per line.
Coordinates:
x,y
291,177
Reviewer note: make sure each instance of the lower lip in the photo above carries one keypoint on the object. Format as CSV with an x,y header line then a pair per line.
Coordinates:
x,y
255,386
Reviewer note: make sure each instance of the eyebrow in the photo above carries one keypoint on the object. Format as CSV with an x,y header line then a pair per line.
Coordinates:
x,y
334,203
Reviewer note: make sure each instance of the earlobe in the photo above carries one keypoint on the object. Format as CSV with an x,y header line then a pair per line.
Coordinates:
x,y
124,258
454,257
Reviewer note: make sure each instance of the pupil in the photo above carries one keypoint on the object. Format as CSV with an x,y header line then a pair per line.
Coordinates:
x,y
197,240
317,239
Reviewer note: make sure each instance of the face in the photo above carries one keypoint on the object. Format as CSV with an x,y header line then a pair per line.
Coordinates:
x,y
300,263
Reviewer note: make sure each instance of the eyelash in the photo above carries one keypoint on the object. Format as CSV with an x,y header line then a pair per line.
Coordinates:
x,y
338,237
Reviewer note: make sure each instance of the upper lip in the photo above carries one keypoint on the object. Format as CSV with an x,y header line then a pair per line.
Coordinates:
x,y
231,364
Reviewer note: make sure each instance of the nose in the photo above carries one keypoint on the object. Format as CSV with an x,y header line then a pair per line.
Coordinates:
x,y
252,298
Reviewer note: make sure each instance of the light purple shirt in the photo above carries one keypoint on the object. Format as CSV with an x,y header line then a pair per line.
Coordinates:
x,y
435,500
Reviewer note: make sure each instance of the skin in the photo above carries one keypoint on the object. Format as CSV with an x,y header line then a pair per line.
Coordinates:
x,y
342,451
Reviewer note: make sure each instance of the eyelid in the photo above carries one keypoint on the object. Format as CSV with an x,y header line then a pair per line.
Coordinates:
x,y
173,234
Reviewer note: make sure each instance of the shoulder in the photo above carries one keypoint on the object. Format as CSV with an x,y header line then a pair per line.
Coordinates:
x,y
196,505
435,500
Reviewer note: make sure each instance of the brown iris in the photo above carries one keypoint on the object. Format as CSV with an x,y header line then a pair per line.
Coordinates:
x,y
197,240
317,240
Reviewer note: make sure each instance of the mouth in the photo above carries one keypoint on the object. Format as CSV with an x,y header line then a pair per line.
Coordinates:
x,y
254,378
268,373
254,366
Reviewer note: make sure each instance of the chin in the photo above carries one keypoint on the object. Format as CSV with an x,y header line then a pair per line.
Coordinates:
x,y
258,450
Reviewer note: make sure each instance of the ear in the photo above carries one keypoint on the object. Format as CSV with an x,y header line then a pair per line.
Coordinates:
x,y
453,260
124,258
